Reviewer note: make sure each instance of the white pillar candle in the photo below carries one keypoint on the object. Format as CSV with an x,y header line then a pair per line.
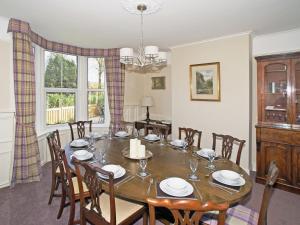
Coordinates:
x,y
142,151
133,148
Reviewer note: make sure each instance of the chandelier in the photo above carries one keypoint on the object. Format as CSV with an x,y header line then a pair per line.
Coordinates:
x,y
146,56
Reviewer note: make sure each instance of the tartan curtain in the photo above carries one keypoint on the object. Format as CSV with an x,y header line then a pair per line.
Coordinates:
x,y
115,77
26,155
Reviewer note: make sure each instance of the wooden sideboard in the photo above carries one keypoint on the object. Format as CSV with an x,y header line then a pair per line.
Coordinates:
x,y
278,128
141,124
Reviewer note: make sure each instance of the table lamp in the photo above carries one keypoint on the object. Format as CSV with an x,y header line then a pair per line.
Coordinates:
x,y
147,102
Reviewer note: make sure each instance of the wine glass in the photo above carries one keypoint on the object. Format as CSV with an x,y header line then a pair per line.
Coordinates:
x,y
110,133
92,142
211,158
143,165
162,139
102,149
193,167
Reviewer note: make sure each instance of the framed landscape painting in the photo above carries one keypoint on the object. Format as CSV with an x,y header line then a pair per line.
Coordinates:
x,y
158,83
205,82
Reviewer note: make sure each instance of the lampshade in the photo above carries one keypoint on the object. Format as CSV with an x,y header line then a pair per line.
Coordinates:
x,y
147,101
151,51
126,53
162,56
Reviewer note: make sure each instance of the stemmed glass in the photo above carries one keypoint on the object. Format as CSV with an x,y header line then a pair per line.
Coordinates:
x,y
110,133
102,149
193,167
143,165
162,139
92,142
211,158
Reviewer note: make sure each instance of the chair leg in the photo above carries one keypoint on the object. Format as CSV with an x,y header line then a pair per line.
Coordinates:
x,y
53,183
57,182
145,218
62,203
72,212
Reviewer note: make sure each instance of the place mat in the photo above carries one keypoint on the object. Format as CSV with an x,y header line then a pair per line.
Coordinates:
x,y
236,188
161,194
116,181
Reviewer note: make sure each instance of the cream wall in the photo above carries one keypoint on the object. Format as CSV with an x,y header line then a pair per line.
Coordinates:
x,y
7,107
138,85
231,114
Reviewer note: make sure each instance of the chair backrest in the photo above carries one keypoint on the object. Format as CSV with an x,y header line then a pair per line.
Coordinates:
x,y
80,125
227,145
190,135
157,129
53,138
271,179
126,126
187,212
87,173
65,173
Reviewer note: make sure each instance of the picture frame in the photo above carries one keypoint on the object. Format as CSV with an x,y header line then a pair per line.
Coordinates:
x,y
158,83
205,82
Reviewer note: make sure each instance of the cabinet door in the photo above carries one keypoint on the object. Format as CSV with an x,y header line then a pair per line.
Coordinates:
x,y
282,155
296,166
275,97
295,69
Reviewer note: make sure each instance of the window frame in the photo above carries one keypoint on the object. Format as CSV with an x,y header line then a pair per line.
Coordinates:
x,y
96,89
81,94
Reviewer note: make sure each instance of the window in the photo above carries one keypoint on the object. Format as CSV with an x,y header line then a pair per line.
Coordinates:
x,y
96,90
60,84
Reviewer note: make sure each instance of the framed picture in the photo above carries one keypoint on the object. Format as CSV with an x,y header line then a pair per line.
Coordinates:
x,y
205,82
158,83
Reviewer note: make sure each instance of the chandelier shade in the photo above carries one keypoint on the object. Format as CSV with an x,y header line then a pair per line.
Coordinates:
x,y
146,56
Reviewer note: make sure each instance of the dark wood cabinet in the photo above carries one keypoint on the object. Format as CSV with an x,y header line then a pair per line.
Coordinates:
x,y
278,128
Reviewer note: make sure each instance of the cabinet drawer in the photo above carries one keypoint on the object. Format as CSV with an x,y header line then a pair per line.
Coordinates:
x,y
276,135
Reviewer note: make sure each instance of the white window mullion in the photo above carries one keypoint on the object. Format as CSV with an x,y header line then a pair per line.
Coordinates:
x,y
82,93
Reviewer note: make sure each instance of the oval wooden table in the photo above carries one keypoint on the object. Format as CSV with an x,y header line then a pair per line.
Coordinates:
x,y
168,162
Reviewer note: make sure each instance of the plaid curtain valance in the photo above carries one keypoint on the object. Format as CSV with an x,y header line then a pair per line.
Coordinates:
x,y
19,26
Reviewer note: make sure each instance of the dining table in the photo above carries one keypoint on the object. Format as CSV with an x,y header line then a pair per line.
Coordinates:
x,y
167,161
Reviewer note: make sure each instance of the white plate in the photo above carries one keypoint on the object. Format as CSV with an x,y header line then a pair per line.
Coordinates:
x,y
78,143
82,155
152,137
204,152
117,170
218,177
96,135
173,190
178,143
121,134
229,175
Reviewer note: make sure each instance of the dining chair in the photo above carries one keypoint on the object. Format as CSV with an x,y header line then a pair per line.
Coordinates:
x,y
52,138
241,215
187,212
227,146
157,129
126,126
189,135
104,207
80,125
70,188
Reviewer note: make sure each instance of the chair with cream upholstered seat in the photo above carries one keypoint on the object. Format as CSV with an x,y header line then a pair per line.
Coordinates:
x,y
187,211
80,127
70,187
241,215
52,138
104,207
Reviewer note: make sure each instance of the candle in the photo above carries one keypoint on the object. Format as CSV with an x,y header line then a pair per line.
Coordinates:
x,y
133,148
142,151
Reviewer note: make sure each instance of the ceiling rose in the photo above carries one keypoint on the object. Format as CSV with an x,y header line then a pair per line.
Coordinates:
x,y
132,6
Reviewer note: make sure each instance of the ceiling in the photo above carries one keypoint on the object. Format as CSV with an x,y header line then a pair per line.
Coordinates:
x,y
105,24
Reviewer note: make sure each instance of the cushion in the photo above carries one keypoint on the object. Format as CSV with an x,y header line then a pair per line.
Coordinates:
x,y
124,209
238,215
76,187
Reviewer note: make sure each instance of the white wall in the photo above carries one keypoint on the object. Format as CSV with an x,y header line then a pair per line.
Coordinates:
x,y
7,107
275,43
231,114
